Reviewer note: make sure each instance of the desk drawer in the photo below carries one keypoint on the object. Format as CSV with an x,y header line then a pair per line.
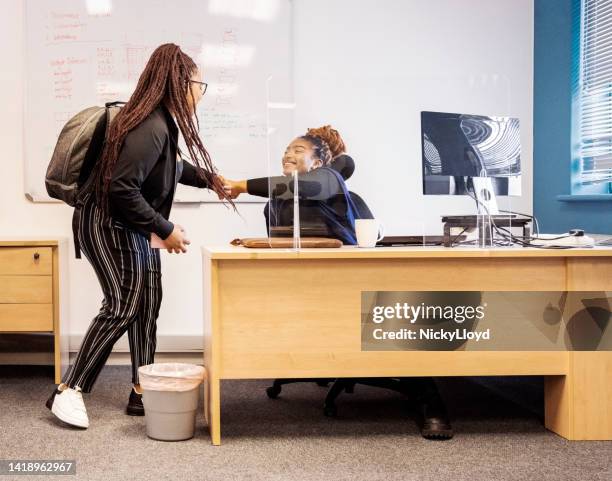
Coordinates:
x,y
26,317
26,290
29,261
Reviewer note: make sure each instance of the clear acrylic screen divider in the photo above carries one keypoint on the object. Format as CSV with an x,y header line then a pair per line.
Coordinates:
x,y
282,179
496,143
505,157
467,139
403,190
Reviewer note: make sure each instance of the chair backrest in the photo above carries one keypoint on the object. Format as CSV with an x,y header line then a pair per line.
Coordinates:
x,y
363,211
344,164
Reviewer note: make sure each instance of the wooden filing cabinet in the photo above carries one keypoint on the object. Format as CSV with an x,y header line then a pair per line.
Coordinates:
x,y
30,292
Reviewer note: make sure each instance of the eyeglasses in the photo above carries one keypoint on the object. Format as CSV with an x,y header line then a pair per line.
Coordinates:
x,y
203,85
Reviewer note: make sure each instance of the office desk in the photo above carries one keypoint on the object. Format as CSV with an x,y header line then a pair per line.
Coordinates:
x,y
288,314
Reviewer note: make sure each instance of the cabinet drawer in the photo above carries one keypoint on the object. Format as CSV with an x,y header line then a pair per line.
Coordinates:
x,y
26,317
29,261
26,290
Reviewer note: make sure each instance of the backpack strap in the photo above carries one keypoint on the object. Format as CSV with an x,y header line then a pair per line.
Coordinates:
x,y
89,171
76,219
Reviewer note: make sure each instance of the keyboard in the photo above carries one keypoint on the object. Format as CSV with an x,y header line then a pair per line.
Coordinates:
x,y
416,240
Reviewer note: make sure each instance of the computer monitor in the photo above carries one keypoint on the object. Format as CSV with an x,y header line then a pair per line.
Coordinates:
x,y
461,150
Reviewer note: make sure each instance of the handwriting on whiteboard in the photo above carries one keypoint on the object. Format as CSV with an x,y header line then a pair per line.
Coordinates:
x,y
83,53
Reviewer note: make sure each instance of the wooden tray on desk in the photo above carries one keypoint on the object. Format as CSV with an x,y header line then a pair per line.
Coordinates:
x,y
286,242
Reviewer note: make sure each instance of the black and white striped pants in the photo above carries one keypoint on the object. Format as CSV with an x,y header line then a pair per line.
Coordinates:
x,y
129,272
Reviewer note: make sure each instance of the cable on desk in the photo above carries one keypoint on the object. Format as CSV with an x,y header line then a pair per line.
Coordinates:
x,y
515,239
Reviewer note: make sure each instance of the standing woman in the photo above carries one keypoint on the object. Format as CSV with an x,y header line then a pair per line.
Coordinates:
x,y
135,181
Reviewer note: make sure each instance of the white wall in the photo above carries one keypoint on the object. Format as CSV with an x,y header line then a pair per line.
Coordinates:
x,y
366,67
370,67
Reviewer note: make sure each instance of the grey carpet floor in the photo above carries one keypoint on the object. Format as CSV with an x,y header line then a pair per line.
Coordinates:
x,y
498,424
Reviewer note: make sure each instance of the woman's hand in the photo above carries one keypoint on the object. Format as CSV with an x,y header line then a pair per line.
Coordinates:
x,y
233,188
177,241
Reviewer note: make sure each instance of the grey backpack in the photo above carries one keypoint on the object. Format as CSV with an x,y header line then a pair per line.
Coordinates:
x,y
77,149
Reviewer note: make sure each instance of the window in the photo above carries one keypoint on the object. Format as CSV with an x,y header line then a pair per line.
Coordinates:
x,y
592,169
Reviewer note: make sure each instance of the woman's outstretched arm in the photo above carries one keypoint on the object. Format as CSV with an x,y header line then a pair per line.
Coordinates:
x,y
318,184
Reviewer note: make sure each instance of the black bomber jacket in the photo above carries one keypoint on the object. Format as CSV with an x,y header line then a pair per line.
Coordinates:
x,y
144,179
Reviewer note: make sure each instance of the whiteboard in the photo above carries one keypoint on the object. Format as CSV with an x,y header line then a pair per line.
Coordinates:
x,y
81,53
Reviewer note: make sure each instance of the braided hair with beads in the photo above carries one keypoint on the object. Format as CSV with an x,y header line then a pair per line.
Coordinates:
x,y
164,80
331,136
320,148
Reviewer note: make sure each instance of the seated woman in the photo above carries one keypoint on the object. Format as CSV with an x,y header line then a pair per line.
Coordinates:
x,y
322,165
327,208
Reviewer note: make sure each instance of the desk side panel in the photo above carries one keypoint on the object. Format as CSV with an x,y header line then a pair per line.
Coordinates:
x,y
212,340
579,405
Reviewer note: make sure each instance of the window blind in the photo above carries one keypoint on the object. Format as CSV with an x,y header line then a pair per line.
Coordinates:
x,y
595,129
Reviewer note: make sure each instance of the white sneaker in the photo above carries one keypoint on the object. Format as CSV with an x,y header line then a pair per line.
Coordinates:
x,y
68,406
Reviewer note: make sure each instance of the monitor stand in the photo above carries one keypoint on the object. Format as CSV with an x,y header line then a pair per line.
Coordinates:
x,y
484,224
487,217
484,195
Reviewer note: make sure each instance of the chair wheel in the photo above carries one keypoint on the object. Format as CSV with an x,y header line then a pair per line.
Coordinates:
x,y
273,392
330,411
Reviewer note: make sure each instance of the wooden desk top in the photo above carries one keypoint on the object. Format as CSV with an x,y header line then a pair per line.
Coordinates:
x,y
235,253
30,241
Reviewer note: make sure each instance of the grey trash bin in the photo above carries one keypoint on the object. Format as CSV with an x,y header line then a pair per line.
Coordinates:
x,y
170,393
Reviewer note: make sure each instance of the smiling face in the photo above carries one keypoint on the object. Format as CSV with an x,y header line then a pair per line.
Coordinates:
x,y
299,156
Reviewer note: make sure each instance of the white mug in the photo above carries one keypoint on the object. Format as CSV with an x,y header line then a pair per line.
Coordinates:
x,y
369,232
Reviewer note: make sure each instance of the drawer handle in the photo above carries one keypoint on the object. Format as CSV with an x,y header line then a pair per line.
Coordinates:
x,y
36,256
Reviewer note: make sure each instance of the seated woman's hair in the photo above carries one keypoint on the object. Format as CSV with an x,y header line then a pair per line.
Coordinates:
x,y
320,148
331,137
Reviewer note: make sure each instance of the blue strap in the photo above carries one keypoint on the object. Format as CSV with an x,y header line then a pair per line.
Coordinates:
x,y
346,235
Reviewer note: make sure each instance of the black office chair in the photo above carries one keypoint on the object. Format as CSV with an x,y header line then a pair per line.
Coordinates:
x,y
404,386
421,391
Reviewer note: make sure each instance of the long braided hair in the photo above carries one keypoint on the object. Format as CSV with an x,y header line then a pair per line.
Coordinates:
x,y
165,80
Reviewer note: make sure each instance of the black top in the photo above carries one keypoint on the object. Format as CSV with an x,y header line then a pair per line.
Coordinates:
x,y
323,201
144,179
318,184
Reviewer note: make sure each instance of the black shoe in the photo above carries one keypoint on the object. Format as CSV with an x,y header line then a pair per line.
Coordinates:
x,y
434,422
135,407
